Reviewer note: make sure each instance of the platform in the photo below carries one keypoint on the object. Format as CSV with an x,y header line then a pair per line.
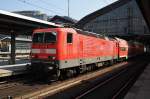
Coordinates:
x,y
4,62
10,70
141,88
4,73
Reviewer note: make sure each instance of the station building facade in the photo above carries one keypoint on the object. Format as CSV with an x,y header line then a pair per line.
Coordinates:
x,y
121,18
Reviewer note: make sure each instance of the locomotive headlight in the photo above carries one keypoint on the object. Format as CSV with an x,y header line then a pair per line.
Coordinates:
x,y
51,57
50,68
34,56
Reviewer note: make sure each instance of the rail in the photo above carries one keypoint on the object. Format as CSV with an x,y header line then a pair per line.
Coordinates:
x,y
116,86
56,87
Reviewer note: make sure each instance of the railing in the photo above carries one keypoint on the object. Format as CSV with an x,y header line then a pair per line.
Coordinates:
x,y
5,57
7,53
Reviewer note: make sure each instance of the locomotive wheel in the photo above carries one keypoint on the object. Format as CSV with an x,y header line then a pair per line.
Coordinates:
x,y
89,68
58,73
83,69
70,73
77,71
111,62
55,76
115,61
62,75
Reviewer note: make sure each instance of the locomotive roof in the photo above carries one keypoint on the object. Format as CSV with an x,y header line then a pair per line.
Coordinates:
x,y
79,31
90,33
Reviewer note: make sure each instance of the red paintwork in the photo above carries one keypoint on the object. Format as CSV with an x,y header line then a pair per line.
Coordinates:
x,y
122,44
135,49
84,46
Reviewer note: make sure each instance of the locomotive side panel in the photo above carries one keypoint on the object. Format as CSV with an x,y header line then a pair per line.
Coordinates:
x,y
83,49
69,49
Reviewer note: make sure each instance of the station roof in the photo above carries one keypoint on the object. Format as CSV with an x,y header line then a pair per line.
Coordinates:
x,y
19,24
144,5
100,12
8,39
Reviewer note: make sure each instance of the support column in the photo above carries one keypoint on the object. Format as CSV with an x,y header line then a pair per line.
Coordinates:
x,y
13,48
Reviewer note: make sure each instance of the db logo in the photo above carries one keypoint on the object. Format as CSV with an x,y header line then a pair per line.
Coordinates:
x,y
42,51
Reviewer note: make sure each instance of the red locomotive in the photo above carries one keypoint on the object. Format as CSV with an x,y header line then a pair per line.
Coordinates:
x,y
61,50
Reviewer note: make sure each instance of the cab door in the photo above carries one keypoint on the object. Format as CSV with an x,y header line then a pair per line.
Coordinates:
x,y
69,45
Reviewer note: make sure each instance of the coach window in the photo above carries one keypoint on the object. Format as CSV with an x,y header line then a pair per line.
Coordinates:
x,y
123,49
69,37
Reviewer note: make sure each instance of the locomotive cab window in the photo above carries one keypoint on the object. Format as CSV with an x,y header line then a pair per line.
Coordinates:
x,y
48,37
69,37
38,38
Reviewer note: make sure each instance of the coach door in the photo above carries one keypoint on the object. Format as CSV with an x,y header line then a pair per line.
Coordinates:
x,y
118,49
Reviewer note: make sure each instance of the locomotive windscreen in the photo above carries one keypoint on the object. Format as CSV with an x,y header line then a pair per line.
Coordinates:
x,y
49,37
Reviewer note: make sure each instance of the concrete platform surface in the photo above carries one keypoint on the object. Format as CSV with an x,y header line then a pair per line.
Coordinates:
x,y
9,70
4,73
141,88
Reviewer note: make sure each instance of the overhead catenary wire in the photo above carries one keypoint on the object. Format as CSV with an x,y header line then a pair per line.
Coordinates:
x,y
48,3
37,6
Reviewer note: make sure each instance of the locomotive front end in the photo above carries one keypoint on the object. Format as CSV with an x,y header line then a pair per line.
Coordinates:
x,y
44,52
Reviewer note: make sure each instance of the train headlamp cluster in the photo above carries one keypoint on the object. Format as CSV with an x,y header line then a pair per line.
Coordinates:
x,y
51,57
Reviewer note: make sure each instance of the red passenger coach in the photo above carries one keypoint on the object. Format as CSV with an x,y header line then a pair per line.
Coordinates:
x,y
135,49
123,48
55,50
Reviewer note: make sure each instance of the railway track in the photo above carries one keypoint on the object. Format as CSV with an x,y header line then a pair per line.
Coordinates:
x,y
12,81
112,86
28,89
78,87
